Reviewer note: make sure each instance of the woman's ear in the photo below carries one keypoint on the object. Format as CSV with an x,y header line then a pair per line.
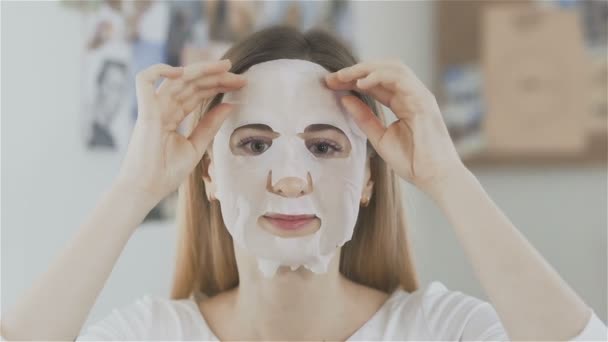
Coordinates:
x,y
207,171
368,185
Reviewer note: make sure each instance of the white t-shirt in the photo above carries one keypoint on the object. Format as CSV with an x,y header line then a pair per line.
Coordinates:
x,y
429,313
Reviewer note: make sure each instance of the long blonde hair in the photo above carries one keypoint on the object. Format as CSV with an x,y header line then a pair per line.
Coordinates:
x,y
379,253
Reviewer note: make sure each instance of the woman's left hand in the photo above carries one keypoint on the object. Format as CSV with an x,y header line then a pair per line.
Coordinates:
x,y
417,146
419,139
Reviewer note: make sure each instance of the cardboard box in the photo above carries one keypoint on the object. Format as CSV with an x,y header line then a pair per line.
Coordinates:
x,y
534,66
459,34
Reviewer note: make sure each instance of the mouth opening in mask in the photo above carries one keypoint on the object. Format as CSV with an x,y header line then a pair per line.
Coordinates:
x,y
289,226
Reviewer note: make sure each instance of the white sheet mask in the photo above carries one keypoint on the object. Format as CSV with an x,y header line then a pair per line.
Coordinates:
x,y
288,95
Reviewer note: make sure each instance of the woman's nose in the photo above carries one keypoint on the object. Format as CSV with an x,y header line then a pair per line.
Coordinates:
x,y
291,187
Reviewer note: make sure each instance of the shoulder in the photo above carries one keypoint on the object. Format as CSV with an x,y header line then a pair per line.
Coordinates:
x,y
454,314
436,312
148,317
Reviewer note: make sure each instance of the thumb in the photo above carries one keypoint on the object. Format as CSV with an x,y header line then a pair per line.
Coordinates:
x,y
365,118
208,126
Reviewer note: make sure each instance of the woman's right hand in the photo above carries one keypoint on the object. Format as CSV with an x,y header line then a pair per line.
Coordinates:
x,y
158,157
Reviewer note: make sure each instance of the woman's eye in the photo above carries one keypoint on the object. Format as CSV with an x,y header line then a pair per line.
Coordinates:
x,y
255,146
323,148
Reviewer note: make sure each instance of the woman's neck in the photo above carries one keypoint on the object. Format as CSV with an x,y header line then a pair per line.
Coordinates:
x,y
292,305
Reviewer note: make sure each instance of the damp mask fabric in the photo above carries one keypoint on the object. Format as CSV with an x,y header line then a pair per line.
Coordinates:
x,y
288,95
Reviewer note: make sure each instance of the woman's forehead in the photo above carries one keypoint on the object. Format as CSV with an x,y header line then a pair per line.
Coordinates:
x,y
284,81
286,95
284,121
287,67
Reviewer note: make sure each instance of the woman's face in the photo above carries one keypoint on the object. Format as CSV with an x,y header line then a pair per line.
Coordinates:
x,y
321,140
289,167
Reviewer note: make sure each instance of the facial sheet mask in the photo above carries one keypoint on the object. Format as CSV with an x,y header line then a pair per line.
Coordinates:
x,y
288,95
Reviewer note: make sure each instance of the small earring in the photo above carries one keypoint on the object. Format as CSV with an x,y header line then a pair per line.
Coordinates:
x,y
365,201
211,198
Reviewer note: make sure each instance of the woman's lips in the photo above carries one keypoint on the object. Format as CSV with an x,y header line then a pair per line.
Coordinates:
x,y
289,222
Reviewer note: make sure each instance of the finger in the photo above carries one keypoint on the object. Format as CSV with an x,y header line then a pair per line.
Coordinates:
x,y
372,84
145,82
365,118
332,81
184,106
227,80
170,86
208,126
369,81
186,92
178,86
221,80
358,71
381,94
400,79
397,84
395,76
190,103
224,81
354,72
196,70
202,94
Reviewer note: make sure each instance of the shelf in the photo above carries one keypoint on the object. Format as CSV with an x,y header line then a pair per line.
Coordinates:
x,y
595,155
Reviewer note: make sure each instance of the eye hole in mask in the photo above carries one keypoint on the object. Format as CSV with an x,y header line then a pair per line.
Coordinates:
x,y
253,145
252,139
326,141
322,140
324,148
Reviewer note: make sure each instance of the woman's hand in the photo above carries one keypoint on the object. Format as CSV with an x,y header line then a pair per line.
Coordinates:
x,y
417,146
158,157
498,252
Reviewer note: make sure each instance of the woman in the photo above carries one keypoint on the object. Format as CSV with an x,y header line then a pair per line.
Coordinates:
x,y
368,291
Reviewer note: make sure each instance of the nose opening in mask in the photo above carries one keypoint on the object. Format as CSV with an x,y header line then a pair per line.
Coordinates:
x,y
290,186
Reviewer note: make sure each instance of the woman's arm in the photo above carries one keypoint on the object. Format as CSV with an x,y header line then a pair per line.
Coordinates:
x,y
158,159
532,300
59,301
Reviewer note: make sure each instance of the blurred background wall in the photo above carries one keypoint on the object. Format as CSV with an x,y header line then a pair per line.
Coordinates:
x,y
50,181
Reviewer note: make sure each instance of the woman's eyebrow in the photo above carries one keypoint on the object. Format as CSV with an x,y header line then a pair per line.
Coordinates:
x,y
259,127
322,127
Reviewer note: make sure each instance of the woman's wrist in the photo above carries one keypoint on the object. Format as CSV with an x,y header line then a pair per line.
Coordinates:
x,y
136,199
451,181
